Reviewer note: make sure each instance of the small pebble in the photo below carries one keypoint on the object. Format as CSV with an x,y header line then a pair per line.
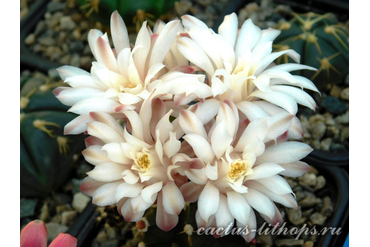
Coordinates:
x,y
333,105
318,219
67,217
30,40
66,23
295,216
309,201
54,229
289,242
327,208
345,94
80,201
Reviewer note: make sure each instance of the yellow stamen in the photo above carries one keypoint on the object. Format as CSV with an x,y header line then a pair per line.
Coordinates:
x,y
144,162
236,170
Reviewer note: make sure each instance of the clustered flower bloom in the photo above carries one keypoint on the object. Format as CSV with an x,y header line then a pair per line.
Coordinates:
x,y
189,115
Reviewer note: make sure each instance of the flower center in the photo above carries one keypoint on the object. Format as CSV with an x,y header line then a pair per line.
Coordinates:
x,y
144,161
236,170
240,168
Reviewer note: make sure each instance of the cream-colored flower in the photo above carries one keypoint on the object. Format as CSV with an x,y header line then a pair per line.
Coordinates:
x,y
237,166
123,77
239,65
133,167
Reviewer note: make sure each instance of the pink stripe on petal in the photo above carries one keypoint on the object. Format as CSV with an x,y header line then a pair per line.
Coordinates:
x,y
104,54
164,220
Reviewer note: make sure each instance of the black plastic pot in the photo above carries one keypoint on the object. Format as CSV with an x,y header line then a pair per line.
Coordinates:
x,y
337,186
28,59
85,227
318,6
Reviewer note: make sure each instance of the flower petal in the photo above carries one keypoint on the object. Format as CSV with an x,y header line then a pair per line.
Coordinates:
x,y
119,32
136,124
172,146
251,110
229,29
128,190
286,199
66,71
129,177
223,215
34,234
190,21
70,96
265,170
105,195
252,225
204,38
149,193
238,206
95,155
106,172
138,204
103,132
78,125
94,104
278,125
295,169
300,96
192,51
92,37
108,120
115,153
197,176
208,201
104,54
285,152
89,186
191,191
201,147
260,202
280,99
262,65
164,41
63,240
164,220
220,139
248,37
128,213
191,124
141,55
173,201
252,138
276,184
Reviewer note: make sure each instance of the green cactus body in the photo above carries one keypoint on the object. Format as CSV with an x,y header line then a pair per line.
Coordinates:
x,y
101,10
46,155
322,43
